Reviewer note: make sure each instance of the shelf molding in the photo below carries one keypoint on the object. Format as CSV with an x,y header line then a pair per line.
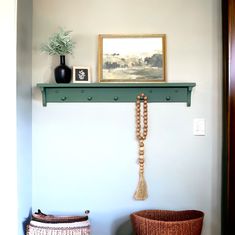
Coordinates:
x,y
115,92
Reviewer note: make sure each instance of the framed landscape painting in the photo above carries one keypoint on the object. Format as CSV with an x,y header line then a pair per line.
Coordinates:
x,y
132,58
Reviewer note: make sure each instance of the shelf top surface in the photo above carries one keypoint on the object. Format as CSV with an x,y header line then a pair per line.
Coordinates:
x,y
115,85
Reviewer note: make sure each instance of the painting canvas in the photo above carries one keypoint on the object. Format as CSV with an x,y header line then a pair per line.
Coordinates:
x,y
132,58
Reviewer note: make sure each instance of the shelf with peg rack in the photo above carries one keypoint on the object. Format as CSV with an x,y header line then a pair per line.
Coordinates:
x,y
115,92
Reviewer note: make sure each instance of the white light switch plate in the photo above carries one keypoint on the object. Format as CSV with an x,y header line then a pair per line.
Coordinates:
x,y
199,126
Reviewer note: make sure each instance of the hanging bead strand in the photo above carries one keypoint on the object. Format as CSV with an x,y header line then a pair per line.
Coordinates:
x,y
141,134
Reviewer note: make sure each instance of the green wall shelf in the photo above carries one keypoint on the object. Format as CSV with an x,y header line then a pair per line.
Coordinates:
x,y
115,92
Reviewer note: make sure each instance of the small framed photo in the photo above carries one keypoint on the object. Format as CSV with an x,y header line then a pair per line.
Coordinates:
x,y
132,58
81,74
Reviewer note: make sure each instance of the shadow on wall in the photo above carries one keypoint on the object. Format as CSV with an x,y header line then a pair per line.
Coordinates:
x,y
26,222
124,228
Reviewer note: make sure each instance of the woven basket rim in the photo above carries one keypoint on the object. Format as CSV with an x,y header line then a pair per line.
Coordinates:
x,y
135,214
58,219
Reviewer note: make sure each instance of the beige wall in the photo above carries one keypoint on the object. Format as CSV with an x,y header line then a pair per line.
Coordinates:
x,y
8,171
84,154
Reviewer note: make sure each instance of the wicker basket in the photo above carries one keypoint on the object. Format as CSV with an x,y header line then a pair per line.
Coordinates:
x,y
42,224
164,222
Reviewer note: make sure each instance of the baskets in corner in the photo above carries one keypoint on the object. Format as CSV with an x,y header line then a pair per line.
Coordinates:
x,y
165,222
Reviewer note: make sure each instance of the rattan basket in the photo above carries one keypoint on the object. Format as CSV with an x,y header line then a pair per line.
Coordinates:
x,y
42,224
165,222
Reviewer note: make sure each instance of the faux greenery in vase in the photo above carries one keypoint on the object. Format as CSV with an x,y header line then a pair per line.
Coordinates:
x,y
61,44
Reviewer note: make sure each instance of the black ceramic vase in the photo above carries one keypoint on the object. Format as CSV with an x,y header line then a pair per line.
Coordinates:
x,y
62,72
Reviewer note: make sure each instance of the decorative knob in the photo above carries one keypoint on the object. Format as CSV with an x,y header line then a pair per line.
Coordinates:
x,y
89,98
63,98
115,98
168,98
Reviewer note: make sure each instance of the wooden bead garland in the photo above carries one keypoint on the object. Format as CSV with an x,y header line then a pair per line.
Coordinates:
x,y
141,134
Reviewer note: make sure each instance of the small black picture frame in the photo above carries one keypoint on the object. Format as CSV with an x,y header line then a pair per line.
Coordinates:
x,y
81,74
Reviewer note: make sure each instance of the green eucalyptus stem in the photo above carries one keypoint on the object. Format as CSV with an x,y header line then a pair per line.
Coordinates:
x,y
59,43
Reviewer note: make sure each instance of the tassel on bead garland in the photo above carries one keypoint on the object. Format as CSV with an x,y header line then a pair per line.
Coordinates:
x,y
141,191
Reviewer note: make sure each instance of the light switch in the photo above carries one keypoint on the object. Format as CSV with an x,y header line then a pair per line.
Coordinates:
x,y
199,126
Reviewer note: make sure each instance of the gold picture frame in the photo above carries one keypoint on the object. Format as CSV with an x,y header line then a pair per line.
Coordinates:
x,y
132,58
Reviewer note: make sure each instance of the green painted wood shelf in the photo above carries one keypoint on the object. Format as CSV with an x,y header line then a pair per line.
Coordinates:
x,y
115,92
